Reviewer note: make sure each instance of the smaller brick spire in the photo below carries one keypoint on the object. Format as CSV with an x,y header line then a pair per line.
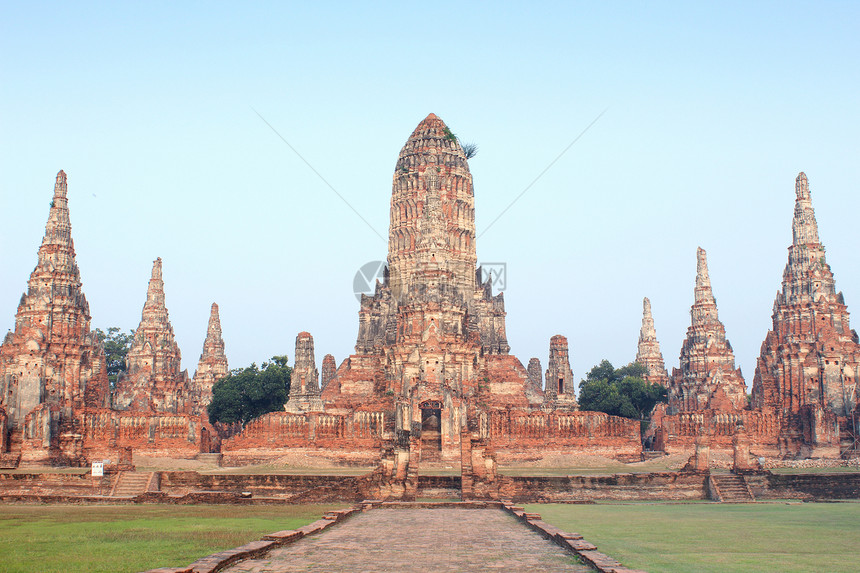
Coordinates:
x,y
559,377
212,365
153,380
304,381
648,353
328,371
535,373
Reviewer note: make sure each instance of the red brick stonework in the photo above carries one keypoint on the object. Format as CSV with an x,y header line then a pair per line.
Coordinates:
x,y
648,353
810,362
211,367
707,378
154,381
431,348
51,366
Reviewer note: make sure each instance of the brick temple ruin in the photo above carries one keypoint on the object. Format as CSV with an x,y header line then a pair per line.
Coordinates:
x,y
432,378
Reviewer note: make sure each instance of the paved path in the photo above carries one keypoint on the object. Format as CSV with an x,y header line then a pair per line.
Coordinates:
x,y
426,540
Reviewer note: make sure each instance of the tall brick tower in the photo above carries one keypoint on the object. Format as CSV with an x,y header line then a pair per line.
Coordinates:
x,y
153,381
707,378
808,369
648,353
52,366
53,357
432,337
432,211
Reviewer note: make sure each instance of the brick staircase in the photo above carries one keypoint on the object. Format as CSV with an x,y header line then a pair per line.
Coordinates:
x,y
130,484
732,488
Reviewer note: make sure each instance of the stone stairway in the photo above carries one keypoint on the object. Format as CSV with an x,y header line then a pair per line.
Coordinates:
x,y
130,484
732,488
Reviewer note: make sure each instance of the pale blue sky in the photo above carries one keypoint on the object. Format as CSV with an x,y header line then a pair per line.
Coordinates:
x,y
711,112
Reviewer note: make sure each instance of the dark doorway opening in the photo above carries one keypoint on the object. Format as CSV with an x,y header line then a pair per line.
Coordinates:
x,y
431,431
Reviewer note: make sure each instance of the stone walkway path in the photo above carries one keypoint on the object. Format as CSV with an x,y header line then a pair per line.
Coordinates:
x,y
427,540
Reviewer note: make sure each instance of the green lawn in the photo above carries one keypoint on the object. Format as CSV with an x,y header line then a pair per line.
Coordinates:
x,y
119,538
718,537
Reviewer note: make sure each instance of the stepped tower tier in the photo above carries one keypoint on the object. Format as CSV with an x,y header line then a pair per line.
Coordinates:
x,y
432,211
153,381
212,365
648,353
810,362
52,357
707,378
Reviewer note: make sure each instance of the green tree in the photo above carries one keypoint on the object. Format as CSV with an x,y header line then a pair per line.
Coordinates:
x,y
620,392
247,393
116,345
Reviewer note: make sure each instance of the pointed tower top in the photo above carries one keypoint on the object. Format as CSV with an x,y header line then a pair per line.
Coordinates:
x,y
702,278
60,187
154,310
432,127
58,229
804,228
156,269
647,332
801,186
214,322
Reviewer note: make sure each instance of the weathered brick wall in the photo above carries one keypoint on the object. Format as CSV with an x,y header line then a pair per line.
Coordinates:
x,y
618,487
518,433
678,432
806,486
359,430
169,435
81,484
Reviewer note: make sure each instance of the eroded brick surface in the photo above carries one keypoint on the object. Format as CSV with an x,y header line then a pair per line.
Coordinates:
x,y
420,540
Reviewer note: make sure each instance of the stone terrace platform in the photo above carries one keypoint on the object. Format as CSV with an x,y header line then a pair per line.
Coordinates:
x,y
443,539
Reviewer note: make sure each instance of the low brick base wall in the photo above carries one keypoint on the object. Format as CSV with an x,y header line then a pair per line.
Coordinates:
x,y
804,486
618,487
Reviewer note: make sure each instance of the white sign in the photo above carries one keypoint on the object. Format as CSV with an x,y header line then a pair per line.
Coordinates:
x,y
98,469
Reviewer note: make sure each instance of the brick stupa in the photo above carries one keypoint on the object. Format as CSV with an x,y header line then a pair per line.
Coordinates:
x,y
809,364
560,391
153,381
648,353
305,379
432,336
52,365
212,365
707,377
327,371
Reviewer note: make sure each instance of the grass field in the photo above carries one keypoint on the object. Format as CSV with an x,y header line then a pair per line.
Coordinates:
x,y
718,537
133,538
